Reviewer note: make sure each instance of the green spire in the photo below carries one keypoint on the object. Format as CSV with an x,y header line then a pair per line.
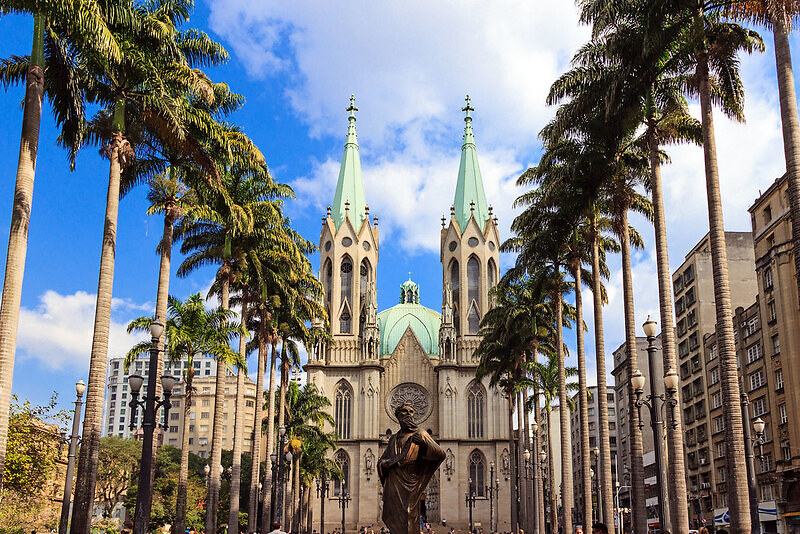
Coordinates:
x,y
469,189
349,198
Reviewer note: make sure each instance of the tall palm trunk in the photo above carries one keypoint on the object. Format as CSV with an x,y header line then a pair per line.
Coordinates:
x,y
604,460
513,462
212,500
638,507
267,504
676,472
583,400
18,233
523,490
296,492
281,422
737,478
563,412
238,428
252,510
551,468
529,491
537,472
119,153
183,472
789,121
309,510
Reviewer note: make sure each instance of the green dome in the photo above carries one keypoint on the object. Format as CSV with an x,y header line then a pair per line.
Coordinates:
x,y
424,322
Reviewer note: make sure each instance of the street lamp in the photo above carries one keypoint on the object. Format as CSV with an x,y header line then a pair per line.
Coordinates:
x,y
469,501
752,480
595,453
344,501
80,388
655,403
277,504
207,471
543,472
323,490
493,489
151,404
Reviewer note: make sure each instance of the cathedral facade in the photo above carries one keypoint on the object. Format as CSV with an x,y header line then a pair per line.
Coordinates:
x,y
410,353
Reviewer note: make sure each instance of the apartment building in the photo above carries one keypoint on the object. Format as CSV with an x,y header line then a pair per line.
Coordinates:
x,y
780,332
695,316
594,440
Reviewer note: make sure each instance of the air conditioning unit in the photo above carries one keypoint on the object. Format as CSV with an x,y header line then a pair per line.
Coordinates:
x,y
703,461
705,485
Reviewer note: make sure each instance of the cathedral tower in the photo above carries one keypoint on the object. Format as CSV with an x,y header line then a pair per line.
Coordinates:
x,y
469,256
349,256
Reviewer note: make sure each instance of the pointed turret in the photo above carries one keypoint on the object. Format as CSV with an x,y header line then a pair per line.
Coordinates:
x,y
470,196
350,199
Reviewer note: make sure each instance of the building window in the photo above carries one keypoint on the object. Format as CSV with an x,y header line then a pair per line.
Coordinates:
x,y
787,450
752,326
206,402
693,341
690,297
767,492
753,353
714,375
712,353
342,410
691,318
328,277
720,445
204,415
683,349
345,317
759,407
454,286
766,463
476,411
473,294
688,275
779,379
477,471
716,399
343,461
772,311
776,344
768,278
719,424
783,415
174,416
756,380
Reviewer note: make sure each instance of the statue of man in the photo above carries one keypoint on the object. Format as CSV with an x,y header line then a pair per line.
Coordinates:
x,y
405,468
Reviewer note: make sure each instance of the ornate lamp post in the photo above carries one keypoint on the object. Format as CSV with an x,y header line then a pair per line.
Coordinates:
x,y
207,471
469,500
752,480
493,489
526,463
595,452
344,502
66,502
654,404
543,471
323,490
151,404
277,504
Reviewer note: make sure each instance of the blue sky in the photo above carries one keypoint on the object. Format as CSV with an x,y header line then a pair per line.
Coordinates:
x,y
410,65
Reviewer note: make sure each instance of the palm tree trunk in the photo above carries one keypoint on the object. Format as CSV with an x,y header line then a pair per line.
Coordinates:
x,y
789,121
212,501
522,489
638,507
583,400
513,462
238,429
296,494
737,478
676,472
18,233
281,422
528,502
183,472
310,509
119,152
252,510
604,460
563,412
551,468
537,471
267,509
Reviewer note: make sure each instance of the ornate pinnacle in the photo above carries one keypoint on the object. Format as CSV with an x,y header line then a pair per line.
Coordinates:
x,y
472,206
467,108
352,109
347,206
443,221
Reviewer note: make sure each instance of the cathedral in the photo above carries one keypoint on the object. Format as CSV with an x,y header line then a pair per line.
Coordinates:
x,y
410,353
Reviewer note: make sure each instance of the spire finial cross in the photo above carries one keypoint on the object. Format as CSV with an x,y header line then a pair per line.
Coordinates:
x,y
468,107
352,109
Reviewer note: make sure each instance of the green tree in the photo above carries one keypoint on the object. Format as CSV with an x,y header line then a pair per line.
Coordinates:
x,y
119,460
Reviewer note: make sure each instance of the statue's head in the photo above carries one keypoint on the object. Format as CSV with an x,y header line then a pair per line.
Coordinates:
x,y
405,416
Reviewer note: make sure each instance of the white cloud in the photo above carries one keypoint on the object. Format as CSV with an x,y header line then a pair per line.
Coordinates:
x,y
58,332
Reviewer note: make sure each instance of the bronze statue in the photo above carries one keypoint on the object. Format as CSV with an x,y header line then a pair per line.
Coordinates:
x,y
405,468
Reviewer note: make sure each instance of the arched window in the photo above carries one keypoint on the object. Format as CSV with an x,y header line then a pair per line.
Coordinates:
x,y
343,461
345,318
477,472
473,294
342,409
492,275
476,411
364,279
454,285
328,273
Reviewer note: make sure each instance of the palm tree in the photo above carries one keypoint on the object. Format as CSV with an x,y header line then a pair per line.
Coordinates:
x,y
47,71
129,94
190,331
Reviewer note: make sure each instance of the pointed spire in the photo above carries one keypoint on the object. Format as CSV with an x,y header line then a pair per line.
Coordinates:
x,y
470,197
350,186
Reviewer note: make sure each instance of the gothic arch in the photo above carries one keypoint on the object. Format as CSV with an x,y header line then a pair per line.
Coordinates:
x,y
343,408
346,295
327,278
473,294
476,411
342,459
477,472
455,286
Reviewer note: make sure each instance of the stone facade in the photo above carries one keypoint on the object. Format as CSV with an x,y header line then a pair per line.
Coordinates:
x,y
411,353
